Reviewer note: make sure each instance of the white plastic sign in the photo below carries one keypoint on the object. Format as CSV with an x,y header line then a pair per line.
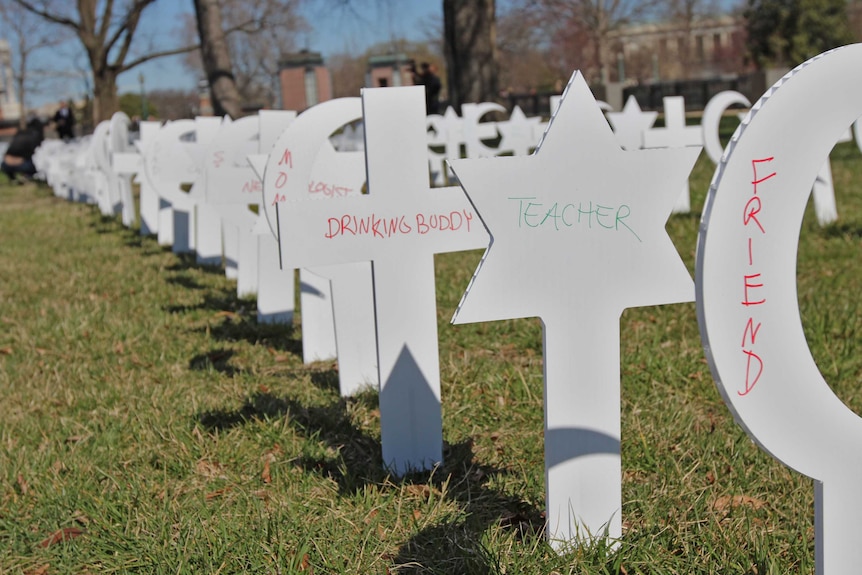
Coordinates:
x,y
148,198
518,134
275,286
121,179
631,124
167,166
675,134
578,235
398,226
341,295
230,187
747,300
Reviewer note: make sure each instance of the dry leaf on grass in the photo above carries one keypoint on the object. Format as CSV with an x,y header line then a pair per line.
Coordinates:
x,y
210,469
371,515
727,502
419,491
40,570
217,493
5,351
268,458
265,475
65,534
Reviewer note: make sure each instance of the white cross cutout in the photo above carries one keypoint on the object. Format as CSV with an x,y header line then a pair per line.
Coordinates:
x,y
121,179
675,134
577,232
132,162
98,169
398,226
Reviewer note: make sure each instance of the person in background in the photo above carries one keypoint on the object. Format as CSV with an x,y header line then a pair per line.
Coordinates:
x,y
19,155
64,122
429,79
432,88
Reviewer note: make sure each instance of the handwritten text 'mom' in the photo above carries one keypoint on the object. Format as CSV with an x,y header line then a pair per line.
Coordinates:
x,y
386,227
535,214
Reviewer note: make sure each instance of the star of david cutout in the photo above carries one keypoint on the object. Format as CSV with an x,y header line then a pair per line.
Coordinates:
x,y
517,133
577,235
578,223
631,124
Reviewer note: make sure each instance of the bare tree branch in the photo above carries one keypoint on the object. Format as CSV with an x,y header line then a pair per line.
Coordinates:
x,y
48,15
152,56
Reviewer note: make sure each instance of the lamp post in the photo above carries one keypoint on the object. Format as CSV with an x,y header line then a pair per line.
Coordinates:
x,y
144,113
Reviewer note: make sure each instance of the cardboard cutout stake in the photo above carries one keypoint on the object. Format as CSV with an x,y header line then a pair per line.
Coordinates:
x,y
341,295
166,167
148,199
398,226
631,124
230,187
675,134
275,286
302,165
577,236
746,293
712,113
122,180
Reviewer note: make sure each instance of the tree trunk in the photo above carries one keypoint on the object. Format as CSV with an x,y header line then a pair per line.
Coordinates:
x,y
216,59
105,100
470,44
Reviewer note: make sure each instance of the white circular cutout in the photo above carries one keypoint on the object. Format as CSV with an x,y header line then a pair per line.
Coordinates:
x,y
746,292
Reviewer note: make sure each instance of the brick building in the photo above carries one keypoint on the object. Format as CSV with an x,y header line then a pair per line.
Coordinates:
x,y
304,80
389,70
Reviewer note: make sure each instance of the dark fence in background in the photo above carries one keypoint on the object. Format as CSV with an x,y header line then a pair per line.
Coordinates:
x,y
697,93
649,95
532,104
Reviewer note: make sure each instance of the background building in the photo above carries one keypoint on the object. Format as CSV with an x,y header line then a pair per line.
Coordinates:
x,y
304,80
389,70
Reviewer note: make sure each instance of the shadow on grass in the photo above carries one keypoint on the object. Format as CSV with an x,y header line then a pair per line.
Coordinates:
x,y
189,262
184,281
843,230
216,359
449,547
131,237
103,224
277,337
236,318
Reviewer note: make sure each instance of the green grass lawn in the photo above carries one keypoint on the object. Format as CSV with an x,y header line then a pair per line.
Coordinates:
x,y
148,424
